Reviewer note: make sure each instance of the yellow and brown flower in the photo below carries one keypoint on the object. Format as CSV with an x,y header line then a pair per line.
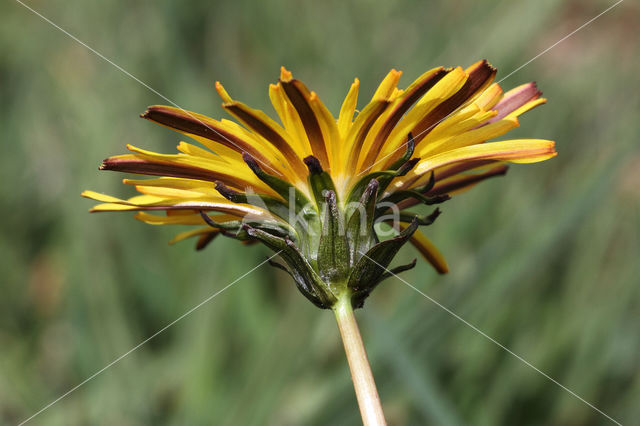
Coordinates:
x,y
311,186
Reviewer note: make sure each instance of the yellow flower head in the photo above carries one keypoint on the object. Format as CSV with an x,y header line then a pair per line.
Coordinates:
x,y
312,187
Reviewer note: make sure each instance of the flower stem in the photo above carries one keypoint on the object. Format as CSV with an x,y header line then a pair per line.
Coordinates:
x,y
365,386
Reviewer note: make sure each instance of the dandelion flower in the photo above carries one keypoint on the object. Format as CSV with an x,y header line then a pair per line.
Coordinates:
x,y
312,187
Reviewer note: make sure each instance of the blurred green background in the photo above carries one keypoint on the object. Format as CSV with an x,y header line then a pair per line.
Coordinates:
x,y
545,260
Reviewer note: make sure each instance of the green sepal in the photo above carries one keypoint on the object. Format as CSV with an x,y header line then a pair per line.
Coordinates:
x,y
319,180
360,232
406,194
384,178
298,279
429,185
333,250
273,227
422,220
273,205
411,146
307,280
281,187
401,171
398,269
358,189
357,299
369,270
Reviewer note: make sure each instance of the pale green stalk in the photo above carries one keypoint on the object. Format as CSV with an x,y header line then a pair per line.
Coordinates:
x,y
365,386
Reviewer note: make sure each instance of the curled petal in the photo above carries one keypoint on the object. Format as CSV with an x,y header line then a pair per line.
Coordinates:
x,y
192,233
429,251
516,98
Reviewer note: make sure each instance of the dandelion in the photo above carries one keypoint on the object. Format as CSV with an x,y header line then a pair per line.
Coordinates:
x,y
324,193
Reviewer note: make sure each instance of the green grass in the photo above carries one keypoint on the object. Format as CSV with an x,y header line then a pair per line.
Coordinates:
x,y
545,260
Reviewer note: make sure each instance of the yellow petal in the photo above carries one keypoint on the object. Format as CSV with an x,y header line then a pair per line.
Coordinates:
x,y
167,190
100,197
137,201
152,202
271,132
481,75
526,107
441,91
176,188
285,75
385,125
356,137
223,93
111,207
193,233
300,97
196,151
516,151
478,76
133,201
387,86
475,136
291,121
345,119
203,128
465,119
170,182
462,121
330,132
194,219
490,97
181,165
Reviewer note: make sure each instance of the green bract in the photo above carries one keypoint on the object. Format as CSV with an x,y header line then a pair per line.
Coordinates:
x,y
330,247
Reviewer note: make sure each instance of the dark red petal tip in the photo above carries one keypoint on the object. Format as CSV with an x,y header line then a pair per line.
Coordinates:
x,y
313,164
